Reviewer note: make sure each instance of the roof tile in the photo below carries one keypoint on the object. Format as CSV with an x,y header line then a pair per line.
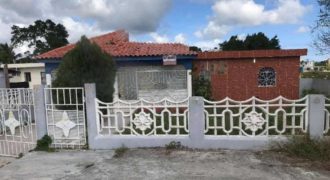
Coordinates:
x,y
117,44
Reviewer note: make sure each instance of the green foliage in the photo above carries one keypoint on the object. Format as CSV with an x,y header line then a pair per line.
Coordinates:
x,y
309,91
42,36
251,42
44,143
7,54
305,147
316,75
202,87
312,91
87,63
173,145
195,48
119,152
234,43
321,29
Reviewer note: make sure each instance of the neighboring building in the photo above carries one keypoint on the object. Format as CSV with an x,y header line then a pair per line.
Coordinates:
x,y
240,75
153,71
307,65
26,73
144,70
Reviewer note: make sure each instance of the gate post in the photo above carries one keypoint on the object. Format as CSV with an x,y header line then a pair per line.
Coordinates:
x,y
196,121
316,115
92,130
40,110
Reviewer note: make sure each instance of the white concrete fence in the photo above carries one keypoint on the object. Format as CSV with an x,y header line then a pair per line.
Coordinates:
x,y
27,115
199,123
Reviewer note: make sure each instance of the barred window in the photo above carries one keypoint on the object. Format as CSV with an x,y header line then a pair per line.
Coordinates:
x,y
266,77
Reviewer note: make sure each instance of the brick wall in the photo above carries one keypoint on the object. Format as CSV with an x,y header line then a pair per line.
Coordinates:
x,y
238,78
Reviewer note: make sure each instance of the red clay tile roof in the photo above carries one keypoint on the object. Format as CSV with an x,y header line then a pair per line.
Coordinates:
x,y
117,44
252,54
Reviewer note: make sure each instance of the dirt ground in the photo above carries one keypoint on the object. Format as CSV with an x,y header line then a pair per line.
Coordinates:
x,y
161,164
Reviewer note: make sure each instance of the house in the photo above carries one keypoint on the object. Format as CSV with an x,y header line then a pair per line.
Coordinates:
x,y
307,66
25,74
240,75
151,71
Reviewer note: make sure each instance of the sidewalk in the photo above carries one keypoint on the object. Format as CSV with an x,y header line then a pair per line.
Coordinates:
x,y
154,164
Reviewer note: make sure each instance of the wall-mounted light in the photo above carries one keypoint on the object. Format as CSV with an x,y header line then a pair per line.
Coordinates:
x,y
254,60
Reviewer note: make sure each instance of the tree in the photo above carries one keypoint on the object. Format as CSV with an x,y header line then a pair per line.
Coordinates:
x,y
322,28
251,42
87,63
7,54
195,48
234,43
43,36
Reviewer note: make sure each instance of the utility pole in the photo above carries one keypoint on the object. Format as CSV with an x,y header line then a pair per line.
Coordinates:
x,y
5,71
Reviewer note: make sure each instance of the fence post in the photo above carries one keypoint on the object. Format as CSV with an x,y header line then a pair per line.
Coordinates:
x,y
40,110
196,121
316,115
90,93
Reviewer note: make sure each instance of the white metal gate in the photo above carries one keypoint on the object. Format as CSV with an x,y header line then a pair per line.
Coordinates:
x,y
65,114
17,122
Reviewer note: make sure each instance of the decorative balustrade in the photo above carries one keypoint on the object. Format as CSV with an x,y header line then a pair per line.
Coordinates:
x,y
256,117
327,116
141,117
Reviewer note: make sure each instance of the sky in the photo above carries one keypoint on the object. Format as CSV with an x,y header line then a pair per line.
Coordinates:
x,y
202,23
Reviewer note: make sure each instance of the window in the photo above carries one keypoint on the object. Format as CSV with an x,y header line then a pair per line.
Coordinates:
x,y
27,76
266,77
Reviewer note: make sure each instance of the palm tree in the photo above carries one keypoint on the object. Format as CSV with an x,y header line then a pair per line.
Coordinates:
x,y
7,56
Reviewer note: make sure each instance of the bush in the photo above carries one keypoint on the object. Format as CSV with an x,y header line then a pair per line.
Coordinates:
x,y
44,143
87,63
305,147
202,88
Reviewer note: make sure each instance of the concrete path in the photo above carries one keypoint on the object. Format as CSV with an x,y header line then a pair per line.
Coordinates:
x,y
154,164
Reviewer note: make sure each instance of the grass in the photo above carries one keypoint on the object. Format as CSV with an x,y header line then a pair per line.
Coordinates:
x,y
173,145
119,152
305,147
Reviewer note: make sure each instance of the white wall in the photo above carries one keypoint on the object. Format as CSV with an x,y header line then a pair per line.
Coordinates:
x,y
34,68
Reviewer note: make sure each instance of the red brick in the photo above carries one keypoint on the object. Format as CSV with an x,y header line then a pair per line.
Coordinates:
x,y
240,82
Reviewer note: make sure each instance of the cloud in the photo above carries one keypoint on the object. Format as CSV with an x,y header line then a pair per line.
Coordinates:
x,y
89,17
303,29
180,38
213,30
133,15
159,38
230,13
208,44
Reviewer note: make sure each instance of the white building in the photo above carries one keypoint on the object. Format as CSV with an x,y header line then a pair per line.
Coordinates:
x,y
33,73
307,65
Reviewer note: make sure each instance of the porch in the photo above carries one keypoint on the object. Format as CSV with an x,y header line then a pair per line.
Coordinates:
x,y
153,83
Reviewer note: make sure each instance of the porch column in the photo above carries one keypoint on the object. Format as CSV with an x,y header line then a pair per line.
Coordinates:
x,y
189,83
116,93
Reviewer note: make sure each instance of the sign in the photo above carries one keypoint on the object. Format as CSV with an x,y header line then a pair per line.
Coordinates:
x,y
169,60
